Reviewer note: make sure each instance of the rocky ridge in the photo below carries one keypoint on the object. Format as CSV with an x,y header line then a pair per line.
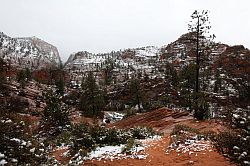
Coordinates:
x,y
29,52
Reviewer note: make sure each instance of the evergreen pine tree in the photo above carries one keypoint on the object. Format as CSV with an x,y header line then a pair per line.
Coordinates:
x,y
200,26
136,93
2,76
28,74
171,75
60,86
108,71
92,99
187,76
217,84
22,78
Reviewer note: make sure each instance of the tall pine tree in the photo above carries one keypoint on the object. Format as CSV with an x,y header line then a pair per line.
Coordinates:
x,y
200,26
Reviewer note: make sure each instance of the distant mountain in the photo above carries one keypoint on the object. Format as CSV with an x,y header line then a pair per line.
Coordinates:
x,y
135,54
183,51
226,66
29,52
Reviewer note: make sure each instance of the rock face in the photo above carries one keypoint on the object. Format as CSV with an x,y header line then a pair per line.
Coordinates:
x,y
182,51
224,69
124,61
29,52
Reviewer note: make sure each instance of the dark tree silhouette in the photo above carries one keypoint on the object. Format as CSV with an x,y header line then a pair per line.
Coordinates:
x,y
136,93
92,99
3,70
200,26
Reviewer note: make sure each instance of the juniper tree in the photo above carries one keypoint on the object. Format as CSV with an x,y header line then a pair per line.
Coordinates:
x,y
200,26
56,112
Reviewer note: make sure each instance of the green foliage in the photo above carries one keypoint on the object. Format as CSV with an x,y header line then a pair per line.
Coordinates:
x,y
63,138
136,93
56,112
130,144
199,26
108,71
187,84
60,86
3,70
179,129
87,138
197,101
92,99
235,142
71,98
17,145
182,133
171,75
23,76
187,76
130,112
235,145
244,92
28,74
201,106
142,132
217,84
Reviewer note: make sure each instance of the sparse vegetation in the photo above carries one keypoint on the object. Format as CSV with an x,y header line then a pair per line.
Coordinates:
x,y
235,142
46,107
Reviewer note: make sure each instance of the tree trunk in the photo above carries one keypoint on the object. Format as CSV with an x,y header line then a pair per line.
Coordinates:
x,y
197,58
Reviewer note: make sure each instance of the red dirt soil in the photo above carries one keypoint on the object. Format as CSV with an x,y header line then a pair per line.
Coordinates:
x,y
164,121
158,157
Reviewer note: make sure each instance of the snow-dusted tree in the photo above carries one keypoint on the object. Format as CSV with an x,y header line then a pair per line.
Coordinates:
x,y
56,112
18,146
200,26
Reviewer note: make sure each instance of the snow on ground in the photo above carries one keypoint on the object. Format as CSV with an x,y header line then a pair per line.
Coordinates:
x,y
112,116
150,141
116,152
190,146
3,162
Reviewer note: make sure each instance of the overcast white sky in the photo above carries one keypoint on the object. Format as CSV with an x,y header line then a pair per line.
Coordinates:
x,y
105,25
